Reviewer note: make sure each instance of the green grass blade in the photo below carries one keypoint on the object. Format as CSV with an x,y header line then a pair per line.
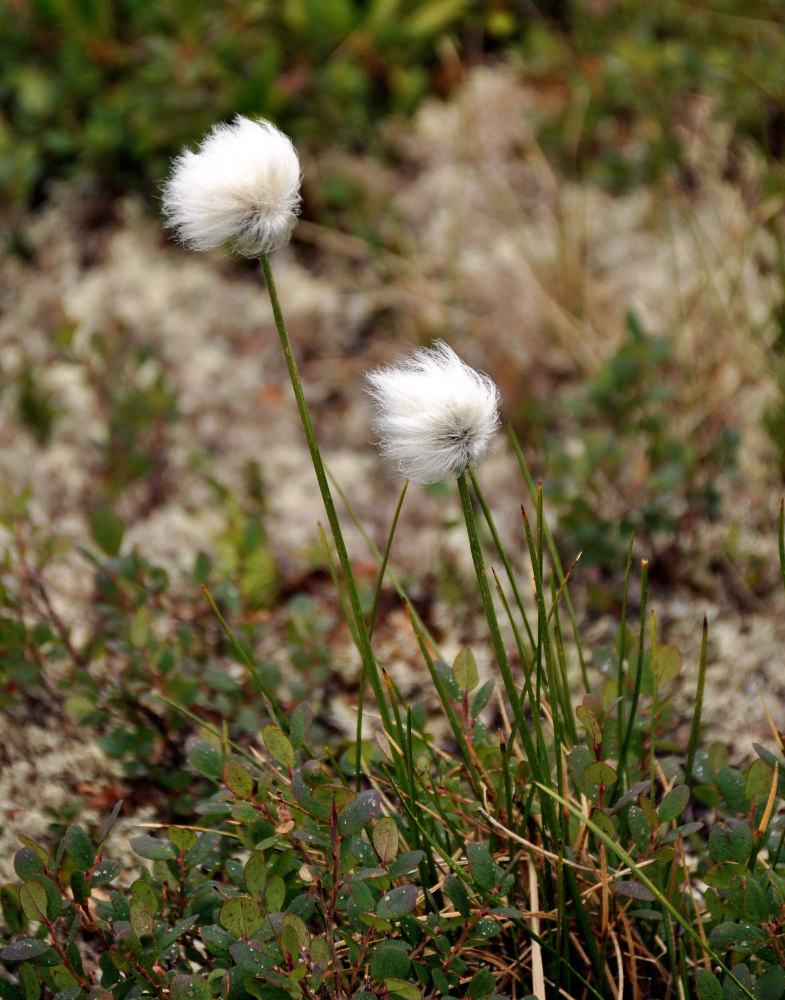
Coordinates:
x,y
692,745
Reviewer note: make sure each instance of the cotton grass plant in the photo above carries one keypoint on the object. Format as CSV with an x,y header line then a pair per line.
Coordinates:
x,y
558,844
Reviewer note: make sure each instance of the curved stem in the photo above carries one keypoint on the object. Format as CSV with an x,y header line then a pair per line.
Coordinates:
x,y
370,666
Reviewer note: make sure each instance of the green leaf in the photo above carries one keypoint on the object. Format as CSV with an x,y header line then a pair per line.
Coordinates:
x,y
274,894
770,985
27,863
12,911
360,812
153,848
667,664
105,872
30,981
238,779
730,784
758,782
79,848
635,890
387,961
385,839
300,724
639,827
32,897
486,928
480,700
205,757
464,670
107,531
142,889
281,750
255,875
400,988
481,984
188,987
600,773
730,840
216,940
182,838
578,759
707,985
397,902
457,894
674,803
481,865
80,889
241,916
405,864
590,723
24,949
142,922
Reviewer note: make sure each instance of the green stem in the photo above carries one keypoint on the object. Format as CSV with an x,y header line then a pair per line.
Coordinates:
x,y
369,664
692,746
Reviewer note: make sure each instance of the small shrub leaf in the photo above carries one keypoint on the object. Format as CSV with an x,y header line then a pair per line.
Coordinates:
x,y
397,902
27,863
707,986
387,962
635,890
457,894
405,864
360,812
241,916
300,724
730,840
281,750
23,949
187,987
600,773
385,839
107,531
153,848
32,897
400,988
464,670
274,894
238,780
481,865
255,875
104,872
674,803
12,910
757,784
730,784
204,757
79,848
770,985
142,922
639,827
481,984
480,700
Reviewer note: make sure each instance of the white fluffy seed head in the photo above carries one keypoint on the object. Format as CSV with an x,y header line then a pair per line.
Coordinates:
x,y
241,189
433,413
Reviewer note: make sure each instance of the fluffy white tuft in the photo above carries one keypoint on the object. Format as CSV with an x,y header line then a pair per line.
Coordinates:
x,y
242,188
433,413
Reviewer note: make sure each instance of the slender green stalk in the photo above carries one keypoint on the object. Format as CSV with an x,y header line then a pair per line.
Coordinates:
x,y
502,554
490,612
655,693
554,554
452,718
364,643
641,876
692,745
385,558
371,622
625,746
781,538
623,647
499,650
267,694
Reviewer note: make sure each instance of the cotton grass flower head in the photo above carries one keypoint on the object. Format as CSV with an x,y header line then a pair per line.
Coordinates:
x,y
433,413
241,189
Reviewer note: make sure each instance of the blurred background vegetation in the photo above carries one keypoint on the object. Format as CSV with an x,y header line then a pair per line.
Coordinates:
x,y
111,89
